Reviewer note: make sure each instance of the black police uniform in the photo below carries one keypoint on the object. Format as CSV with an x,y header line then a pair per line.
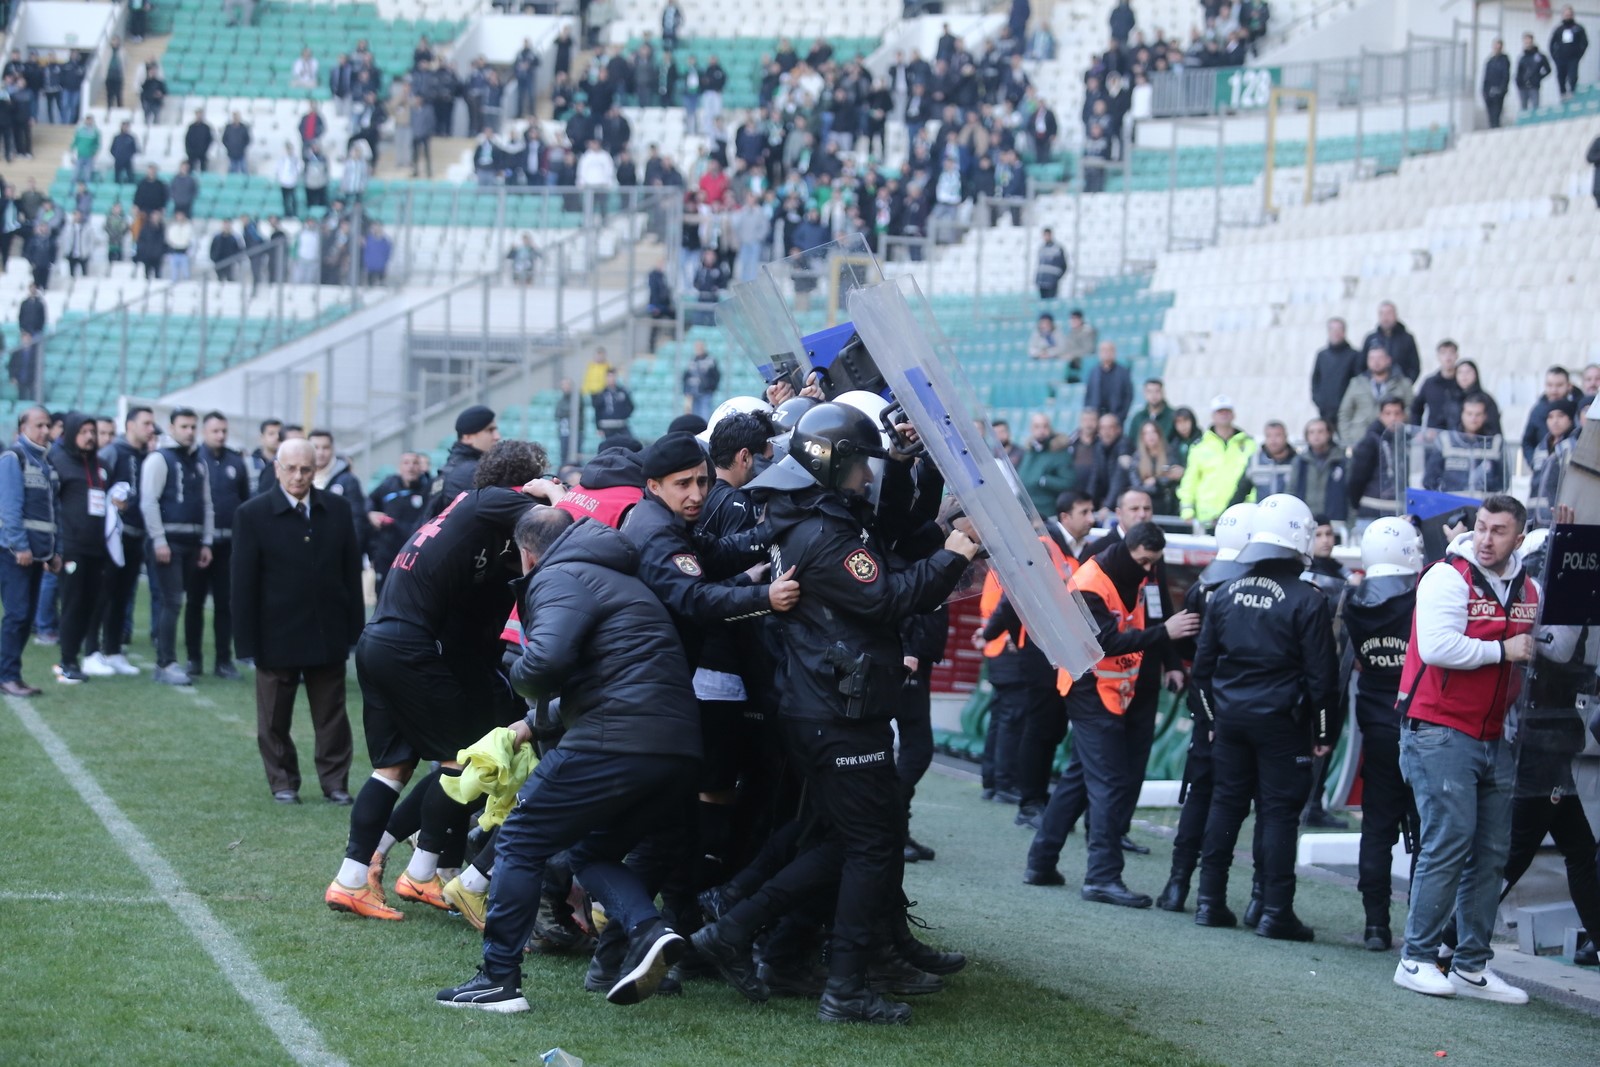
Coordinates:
x,y
229,472
1199,777
1027,718
406,506
1377,627
1266,673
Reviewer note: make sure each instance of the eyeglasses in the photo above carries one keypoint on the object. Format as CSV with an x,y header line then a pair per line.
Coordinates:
x,y
297,470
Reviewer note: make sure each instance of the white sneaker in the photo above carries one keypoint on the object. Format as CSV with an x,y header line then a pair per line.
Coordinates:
x,y
120,664
1485,985
97,666
1423,977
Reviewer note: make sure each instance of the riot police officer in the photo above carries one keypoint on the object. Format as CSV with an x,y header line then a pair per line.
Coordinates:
x,y
1233,530
1265,669
842,670
1377,629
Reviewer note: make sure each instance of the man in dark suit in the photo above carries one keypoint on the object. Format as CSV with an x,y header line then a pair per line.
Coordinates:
x,y
298,609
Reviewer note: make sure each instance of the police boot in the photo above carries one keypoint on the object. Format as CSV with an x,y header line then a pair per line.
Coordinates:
x,y
1282,924
888,972
850,1000
1176,893
718,901
730,955
1252,910
1378,938
921,956
1214,911
606,963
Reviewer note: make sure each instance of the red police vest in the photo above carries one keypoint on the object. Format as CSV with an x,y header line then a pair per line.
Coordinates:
x,y
603,505
1472,701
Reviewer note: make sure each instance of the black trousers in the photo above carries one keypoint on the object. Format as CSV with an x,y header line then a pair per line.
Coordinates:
x,y
1265,758
1001,737
83,585
216,581
1041,727
914,754
1387,809
1566,75
1563,820
1103,746
1199,779
849,772
175,580
1495,106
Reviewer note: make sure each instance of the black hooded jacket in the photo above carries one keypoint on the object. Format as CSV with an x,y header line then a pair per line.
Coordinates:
x,y
1377,626
460,467
852,602
595,635
83,500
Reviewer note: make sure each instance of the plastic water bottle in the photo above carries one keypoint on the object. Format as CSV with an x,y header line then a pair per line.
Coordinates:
x,y
560,1057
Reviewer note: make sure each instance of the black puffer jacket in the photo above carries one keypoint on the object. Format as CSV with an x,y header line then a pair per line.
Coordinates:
x,y
598,637
82,532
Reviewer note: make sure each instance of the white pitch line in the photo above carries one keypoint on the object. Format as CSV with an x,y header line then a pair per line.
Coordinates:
x,y
51,897
293,1031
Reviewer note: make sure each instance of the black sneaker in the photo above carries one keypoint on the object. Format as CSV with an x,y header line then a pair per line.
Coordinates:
x,y
486,994
193,669
651,954
732,961
70,674
605,964
793,980
717,902
1031,816
1378,938
851,1001
916,851
227,672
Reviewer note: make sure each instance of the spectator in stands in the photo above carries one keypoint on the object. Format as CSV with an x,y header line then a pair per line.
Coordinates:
x,y
1271,469
116,231
357,171
1319,473
1213,476
1109,385
1532,68
224,246
40,252
376,249
1496,82
77,242
1046,342
288,175
1568,43
184,190
123,149
710,279
1392,336
1369,389
311,126
1471,385
1113,467
308,255
19,130
1156,471
85,146
303,73
1096,154
1465,459
180,242
1550,459
613,407
152,92
197,142
138,18
1186,433
340,81
1122,22
701,378
1557,388
1374,462
151,194
1052,267
1589,386
33,314
1155,411
1046,467
114,73
150,247
1336,364
671,25
1437,404
236,142
22,366
1002,437
71,77
315,177
239,12
1082,339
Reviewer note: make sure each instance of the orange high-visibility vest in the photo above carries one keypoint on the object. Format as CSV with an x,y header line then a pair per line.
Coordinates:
x,y
1115,676
989,599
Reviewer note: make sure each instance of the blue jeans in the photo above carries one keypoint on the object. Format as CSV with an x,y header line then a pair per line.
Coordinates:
x,y
45,617
700,404
19,589
83,170
599,806
1463,789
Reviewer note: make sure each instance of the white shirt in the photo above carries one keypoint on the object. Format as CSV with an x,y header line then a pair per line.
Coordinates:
x,y
1442,597
294,501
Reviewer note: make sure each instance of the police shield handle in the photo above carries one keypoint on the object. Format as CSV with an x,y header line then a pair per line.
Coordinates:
x,y
1183,624
962,545
785,592
1518,649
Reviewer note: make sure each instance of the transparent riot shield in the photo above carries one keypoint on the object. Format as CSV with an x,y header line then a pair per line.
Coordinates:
x,y
756,318
932,391
1454,462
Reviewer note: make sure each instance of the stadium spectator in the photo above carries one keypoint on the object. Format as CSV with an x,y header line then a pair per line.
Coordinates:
x,y
1155,410
138,19
31,538
1437,403
40,252
224,246
152,92
315,177
288,176
77,243
1374,486
701,377
1213,476
236,142
1496,82
1589,387
1046,342
1568,43
1471,385
180,242
114,73
1052,267
376,250
1113,463
1532,68
1108,386
116,231
613,407
150,247
303,72
123,148
1002,437
1156,470
1122,21
1331,372
1271,469
184,190
85,146
33,316
1392,336
1550,459
1080,447
308,255
1046,467
151,194
1557,387
1466,460
1367,390
710,279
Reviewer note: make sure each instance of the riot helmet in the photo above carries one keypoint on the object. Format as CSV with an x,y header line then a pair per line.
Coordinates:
x,y
1391,546
1233,530
1280,529
832,440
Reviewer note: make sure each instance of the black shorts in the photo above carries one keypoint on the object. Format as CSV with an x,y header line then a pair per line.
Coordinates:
x,y
418,706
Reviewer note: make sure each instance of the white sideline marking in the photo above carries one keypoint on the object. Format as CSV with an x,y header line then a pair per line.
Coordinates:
x,y
297,1036
49,896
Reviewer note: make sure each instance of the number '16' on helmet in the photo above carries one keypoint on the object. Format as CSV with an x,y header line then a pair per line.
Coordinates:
x,y
832,439
1391,546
